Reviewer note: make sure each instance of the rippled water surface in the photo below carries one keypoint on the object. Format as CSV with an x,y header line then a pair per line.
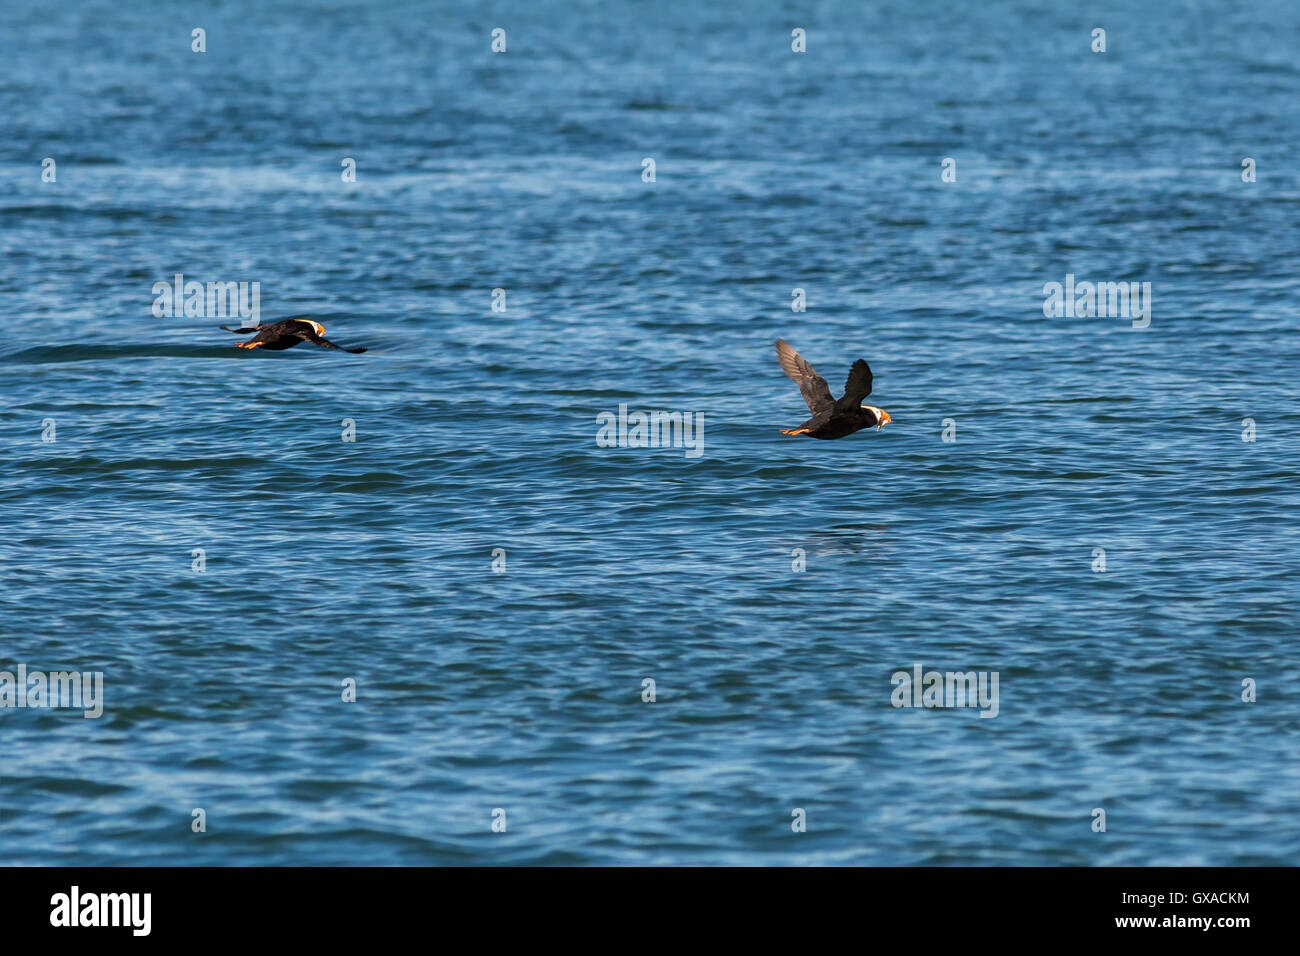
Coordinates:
x,y
372,560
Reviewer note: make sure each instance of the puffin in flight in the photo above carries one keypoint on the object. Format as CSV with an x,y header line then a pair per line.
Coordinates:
x,y
279,336
831,418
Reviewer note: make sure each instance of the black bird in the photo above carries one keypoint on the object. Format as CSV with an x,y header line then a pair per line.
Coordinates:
x,y
279,336
831,418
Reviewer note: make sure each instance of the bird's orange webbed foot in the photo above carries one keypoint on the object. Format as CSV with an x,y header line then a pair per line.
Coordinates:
x,y
248,345
795,431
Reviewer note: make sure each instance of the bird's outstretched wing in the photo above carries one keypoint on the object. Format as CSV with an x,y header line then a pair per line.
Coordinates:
x,y
310,335
857,386
248,331
812,386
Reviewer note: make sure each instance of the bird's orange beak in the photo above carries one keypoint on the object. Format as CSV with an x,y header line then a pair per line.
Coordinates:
x,y
884,420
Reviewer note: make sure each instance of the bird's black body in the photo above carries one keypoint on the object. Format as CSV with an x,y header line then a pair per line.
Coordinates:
x,y
279,336
830,418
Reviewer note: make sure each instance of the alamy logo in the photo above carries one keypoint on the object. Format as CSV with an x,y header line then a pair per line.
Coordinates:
x,y
70,689
656,429
1114,300
215,300
939,690
103,909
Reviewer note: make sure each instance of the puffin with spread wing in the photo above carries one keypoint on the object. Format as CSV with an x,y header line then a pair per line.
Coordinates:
x,y
831,418
279,336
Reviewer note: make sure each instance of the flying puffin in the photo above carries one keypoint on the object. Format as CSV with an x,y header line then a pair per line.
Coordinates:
x,y
830,418
279,336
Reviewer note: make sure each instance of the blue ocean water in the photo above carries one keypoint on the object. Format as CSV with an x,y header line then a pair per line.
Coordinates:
x,y
521,689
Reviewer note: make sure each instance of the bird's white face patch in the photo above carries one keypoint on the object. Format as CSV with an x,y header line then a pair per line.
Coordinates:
x,y
320,329
882,416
